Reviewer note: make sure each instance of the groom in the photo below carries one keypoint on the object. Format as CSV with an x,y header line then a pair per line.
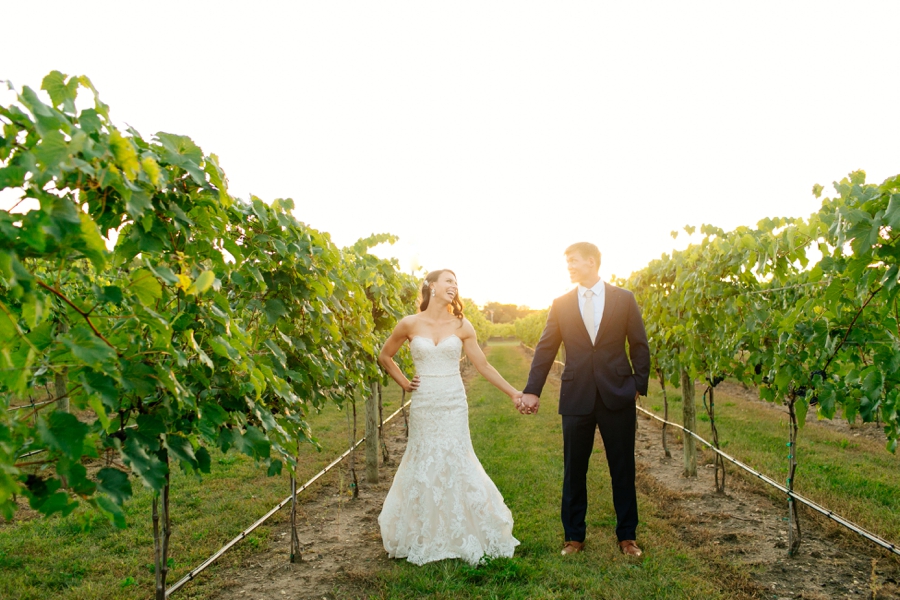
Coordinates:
x,y
599,387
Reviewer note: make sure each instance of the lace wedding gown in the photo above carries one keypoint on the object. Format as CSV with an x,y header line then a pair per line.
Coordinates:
x,y
442,504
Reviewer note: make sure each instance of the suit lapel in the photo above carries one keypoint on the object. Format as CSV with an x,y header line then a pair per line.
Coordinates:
x,y
572,302
609,305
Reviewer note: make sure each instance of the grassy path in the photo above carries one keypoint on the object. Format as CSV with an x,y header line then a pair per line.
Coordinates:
x,y
523,455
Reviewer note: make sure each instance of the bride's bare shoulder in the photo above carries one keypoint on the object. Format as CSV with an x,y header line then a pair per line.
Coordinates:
x,y
407,324
466,329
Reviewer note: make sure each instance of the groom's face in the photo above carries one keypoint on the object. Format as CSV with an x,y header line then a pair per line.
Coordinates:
x,y
581,269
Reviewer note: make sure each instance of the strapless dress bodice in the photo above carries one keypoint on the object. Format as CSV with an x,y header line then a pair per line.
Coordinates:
x,y
436,360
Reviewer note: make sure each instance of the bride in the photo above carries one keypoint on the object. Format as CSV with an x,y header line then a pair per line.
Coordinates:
x,y
442,504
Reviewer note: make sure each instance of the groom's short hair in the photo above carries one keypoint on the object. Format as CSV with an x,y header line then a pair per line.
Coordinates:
x,y
586,250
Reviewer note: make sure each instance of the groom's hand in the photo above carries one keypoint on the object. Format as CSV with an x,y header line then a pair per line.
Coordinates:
x,y
530,404
517,400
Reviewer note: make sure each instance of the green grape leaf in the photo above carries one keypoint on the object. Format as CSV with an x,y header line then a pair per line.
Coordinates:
x,y
145,286
144,464
274,309
204,358
181,448
33,310
138,205
88,348
63,432
61,94
97,405
255,443
52,150
801,406
89,121
280,356
111,293
12,177
151,425
202,283
57,502
892,215
93,245
113,511
204,460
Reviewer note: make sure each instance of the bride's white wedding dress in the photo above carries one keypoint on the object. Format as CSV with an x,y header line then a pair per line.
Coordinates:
x,y
442,504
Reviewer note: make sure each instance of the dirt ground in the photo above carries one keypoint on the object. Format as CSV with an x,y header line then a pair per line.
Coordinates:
x,y
339,540
747,527
342,549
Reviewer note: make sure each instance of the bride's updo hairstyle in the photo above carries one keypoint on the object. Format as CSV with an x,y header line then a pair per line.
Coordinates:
x,y
455,307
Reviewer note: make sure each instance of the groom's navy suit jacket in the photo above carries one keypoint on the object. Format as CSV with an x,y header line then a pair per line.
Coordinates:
x,y
603,366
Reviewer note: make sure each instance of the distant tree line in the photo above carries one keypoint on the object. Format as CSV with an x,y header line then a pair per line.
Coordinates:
x,y
495,312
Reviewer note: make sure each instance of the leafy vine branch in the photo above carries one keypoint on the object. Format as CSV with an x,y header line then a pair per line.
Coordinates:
x,y
850,327
84,315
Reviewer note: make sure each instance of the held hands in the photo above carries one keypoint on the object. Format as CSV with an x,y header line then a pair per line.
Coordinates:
x,y
528,404
412,385
516,398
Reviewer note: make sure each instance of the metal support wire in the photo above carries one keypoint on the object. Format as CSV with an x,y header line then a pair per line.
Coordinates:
x,y
202,566
794,496
32,405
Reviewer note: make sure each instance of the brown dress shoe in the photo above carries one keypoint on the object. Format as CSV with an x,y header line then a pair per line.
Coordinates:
x,y
572,548
630,548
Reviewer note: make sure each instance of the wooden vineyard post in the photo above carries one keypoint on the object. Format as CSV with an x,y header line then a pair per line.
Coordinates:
x,y
793,516
662,385
403,409
690,423
295,539
372,435
59,385
161,533
385,457
351,433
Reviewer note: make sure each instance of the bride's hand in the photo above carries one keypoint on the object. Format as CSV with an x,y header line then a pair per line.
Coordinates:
x,y
517,399
413,385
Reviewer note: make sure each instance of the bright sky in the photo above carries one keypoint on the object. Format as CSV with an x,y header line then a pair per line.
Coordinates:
x,y
490,135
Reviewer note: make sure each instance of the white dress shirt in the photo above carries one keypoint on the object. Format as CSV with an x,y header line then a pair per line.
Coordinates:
x,y
599,301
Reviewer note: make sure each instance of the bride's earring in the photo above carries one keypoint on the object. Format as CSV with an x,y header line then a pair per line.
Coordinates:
x,y
432,292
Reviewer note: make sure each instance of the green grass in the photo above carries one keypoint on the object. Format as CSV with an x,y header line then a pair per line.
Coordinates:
x,y
523,455
854,476
86,558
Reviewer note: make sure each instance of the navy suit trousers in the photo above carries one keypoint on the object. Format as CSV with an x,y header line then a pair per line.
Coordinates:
x,y
617,429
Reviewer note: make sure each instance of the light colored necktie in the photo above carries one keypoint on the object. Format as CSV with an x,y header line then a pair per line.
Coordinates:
x,y
587,313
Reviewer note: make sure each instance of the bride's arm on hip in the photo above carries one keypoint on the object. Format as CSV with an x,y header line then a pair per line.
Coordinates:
x,y
481,364
391,347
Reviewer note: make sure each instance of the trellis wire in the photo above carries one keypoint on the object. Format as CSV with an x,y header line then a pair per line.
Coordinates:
x,y
793,495
202,566
32,405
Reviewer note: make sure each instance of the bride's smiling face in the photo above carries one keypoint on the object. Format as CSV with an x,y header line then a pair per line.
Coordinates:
x,y
445,287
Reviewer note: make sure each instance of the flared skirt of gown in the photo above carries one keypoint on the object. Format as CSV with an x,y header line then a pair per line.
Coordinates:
x,y
442,504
